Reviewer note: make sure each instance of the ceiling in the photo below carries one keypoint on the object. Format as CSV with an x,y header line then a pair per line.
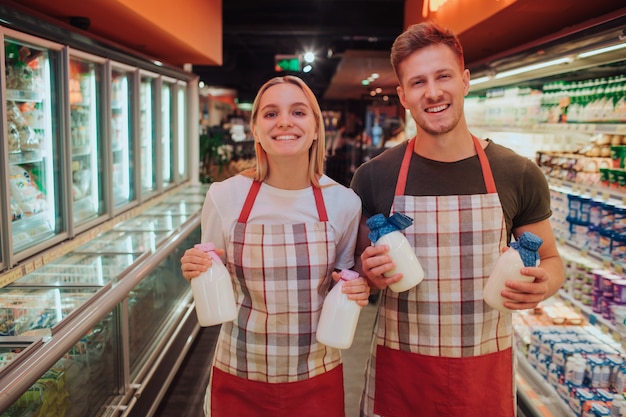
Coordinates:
x,y
352,39
255,31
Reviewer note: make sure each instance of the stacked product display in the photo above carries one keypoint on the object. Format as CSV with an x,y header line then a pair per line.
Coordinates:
x,y
96,143
573,125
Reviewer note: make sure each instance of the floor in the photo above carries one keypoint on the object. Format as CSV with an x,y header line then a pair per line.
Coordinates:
x,y
186,396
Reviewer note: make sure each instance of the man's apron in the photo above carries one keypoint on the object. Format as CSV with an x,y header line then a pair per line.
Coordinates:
x,y
438,349
268,362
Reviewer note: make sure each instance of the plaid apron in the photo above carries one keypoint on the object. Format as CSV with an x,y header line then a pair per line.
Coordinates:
x,y
438,349
269,352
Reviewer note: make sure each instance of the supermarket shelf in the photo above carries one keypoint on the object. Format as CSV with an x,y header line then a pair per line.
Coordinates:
x,y
536,397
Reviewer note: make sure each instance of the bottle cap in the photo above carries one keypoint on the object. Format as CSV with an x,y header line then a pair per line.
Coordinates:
x,y
205,247
348,274
527,246
380,226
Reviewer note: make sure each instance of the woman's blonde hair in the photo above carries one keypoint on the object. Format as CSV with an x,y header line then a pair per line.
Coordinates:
x,y
317,150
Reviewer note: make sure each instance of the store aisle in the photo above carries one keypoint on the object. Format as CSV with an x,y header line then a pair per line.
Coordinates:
x,y
355,360
186,396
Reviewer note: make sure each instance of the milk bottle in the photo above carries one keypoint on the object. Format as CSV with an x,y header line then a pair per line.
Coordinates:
x,y
213,291
339,315
386,231
520,253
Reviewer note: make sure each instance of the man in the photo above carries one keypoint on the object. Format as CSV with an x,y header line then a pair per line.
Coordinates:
x,y
439,349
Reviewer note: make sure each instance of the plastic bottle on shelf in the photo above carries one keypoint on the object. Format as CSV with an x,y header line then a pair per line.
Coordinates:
x,y
386,231
339,316
522,252
213,291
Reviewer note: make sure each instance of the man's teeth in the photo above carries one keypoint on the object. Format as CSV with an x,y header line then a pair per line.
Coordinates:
x,y
436,109
285,137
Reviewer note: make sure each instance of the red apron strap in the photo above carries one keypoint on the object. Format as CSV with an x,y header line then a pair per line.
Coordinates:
x,y
319,202
247,205
254,190
484,164
404,168
482,157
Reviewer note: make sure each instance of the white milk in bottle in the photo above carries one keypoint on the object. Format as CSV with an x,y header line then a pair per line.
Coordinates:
x,y
387,231
521,253
339,316
213,291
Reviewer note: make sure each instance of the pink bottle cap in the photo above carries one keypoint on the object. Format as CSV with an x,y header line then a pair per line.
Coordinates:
x,y
348,274
205,247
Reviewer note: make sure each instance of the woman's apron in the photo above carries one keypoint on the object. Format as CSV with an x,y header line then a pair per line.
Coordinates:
x,y
438,349
268,362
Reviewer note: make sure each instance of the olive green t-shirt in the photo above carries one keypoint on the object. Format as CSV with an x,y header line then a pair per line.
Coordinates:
x,y
522,187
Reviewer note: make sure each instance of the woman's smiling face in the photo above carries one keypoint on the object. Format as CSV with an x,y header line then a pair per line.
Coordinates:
x,y
285,124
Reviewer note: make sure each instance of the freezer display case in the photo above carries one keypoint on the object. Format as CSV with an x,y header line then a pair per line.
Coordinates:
x,y
123,151
148,133
182,152
120,242
34,175
150,304
153,223
76,385
110,308
86,111
168,140
79,270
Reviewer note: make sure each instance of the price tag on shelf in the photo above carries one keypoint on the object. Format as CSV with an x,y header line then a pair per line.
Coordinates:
x,y
10,277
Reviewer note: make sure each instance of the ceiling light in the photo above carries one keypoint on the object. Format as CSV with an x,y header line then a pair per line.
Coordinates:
x,y
309,57
375,75
602,50
365,82
480,80
307,68
436,4
533,67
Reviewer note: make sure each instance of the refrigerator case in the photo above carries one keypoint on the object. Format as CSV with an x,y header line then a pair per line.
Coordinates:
x,y
181,154
33,144
148,134
168,139
122,122
92,377
86,77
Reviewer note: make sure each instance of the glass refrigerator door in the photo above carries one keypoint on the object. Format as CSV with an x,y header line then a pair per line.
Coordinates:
x,y
85,84
122,145
167,131
33,142
148,137
181,155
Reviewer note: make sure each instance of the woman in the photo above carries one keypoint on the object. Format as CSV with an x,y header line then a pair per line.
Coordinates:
x,y
286,229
